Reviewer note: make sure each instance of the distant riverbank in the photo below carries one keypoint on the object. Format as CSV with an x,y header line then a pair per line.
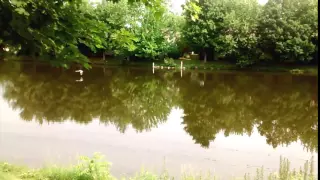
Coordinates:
x,y
198,65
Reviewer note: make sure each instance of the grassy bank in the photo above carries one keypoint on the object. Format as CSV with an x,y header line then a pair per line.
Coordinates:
x,y
96,168
218,65
222,65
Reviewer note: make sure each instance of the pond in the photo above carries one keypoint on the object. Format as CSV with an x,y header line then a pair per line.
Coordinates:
x,y
227,122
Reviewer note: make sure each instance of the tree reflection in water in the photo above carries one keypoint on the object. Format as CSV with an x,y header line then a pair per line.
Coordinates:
x,y
283,107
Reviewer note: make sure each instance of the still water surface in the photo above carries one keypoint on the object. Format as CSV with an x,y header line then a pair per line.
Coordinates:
x,y
227,122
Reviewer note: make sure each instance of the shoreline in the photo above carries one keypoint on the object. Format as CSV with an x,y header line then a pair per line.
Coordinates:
x,y
97,168
196,65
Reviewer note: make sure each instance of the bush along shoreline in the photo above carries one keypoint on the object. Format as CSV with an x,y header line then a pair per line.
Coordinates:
x,y
96,168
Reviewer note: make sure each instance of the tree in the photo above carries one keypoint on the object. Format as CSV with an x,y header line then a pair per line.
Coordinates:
x,y
118,18
52,30
247,33
288,30
196,27
222,28
241,31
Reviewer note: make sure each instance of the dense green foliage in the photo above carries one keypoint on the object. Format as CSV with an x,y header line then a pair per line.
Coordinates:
x,y
50,29
241,31
62,31
288,30
246,32
96,168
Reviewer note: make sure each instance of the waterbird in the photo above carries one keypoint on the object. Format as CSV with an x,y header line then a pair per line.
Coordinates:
x,y
201,83
79,71
79,80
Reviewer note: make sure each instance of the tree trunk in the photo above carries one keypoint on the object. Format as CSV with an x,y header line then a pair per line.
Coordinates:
x,y
205,56
34,65
1,48
1,52
205,76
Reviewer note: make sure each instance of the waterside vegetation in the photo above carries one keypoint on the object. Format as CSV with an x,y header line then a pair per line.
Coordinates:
x,y
96,168
242,33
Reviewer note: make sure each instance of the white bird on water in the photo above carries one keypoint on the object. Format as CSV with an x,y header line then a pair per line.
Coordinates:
x,y
79,71
201,83
80,80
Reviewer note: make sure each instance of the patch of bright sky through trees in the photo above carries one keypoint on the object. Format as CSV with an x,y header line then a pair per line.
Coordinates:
x,y
176,4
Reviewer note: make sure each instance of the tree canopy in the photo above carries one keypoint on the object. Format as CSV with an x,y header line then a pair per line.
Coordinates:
x,y
54,30
245,32
239,31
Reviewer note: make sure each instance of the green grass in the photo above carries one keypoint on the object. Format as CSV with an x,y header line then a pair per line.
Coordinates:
x,y
222,65
96,168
